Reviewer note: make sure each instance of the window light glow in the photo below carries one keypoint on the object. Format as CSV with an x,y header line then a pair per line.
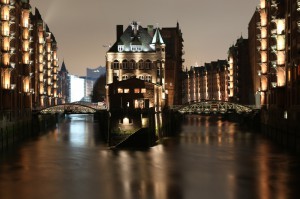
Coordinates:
x,y
280,26
263,32
280,42
280,57
280,77
263,56
263,18
262,4
264,68
263,44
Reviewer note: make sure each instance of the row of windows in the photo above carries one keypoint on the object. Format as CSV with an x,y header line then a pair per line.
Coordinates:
x,y
135,90
147,78
134,65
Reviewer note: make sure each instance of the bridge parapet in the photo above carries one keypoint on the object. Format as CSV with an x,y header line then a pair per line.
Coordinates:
x,y
72,108
212,106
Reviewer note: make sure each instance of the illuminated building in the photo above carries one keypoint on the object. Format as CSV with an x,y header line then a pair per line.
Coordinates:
x,y
208,82
29,60
77,88
254,58
95,73
279,72
240,89
174,52
138,53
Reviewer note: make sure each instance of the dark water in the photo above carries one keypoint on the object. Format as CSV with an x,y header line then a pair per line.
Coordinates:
x,y
209,159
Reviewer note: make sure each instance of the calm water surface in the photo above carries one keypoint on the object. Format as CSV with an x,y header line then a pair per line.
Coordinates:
x,y
209,159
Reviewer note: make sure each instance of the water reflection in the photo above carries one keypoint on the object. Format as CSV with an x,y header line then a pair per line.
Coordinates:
x,y
210,159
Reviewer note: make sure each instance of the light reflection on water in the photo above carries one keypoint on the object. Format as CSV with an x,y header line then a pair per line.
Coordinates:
x,y
209,159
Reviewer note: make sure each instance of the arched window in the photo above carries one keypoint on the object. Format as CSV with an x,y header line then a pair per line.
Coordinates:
x,y
115,65
141,64
148,64
125,64
132,64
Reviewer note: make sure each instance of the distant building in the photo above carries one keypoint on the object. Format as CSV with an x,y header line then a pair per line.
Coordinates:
x,y
240,89
95,73
208,82
137,53
64,84
77,88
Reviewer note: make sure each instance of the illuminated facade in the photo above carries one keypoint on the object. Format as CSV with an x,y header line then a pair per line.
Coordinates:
x,y
279,70
254,58
138,53
272,49
240,86
174,63
208,82
29,60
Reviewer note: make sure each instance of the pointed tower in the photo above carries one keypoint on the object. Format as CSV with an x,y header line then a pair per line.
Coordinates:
x,y
64,84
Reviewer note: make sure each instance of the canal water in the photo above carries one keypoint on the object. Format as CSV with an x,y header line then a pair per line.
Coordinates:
x,y
209,159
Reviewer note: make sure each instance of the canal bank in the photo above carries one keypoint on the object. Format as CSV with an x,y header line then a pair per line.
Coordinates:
x,y
282,126
17,126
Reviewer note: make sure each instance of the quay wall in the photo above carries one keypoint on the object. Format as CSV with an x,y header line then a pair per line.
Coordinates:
x,y
23,125
282,126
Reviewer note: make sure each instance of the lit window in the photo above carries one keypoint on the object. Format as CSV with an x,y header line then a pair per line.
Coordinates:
x,y
120,90
126,90
143,90
136,90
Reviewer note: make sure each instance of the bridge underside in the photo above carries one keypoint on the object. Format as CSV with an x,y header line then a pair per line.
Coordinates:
x,y
207,107
69,109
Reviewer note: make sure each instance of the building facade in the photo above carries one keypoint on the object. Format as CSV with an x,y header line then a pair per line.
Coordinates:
x,y
254,56
138,53
208,82
279,70
240,88
29,60
174,63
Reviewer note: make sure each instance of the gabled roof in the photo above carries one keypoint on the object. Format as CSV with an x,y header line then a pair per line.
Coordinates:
x,y
137,35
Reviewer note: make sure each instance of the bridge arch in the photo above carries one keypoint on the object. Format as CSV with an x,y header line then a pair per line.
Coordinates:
x,y
69,108
213,106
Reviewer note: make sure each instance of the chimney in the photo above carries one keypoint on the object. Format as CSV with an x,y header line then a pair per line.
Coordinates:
x,y
150,30
119,31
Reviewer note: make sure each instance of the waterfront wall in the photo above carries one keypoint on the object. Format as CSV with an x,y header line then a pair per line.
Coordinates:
x,y
15,129
282,127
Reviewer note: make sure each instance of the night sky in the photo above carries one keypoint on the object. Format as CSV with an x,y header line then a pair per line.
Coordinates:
x,y
83,28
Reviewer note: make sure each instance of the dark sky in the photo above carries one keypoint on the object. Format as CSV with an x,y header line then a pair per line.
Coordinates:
x,y
83,27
